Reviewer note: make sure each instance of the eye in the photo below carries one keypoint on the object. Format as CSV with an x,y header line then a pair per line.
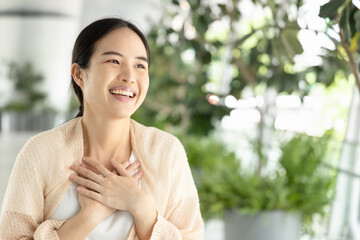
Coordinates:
x,y
114,61
140,66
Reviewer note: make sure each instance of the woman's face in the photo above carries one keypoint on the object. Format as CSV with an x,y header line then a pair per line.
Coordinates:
x,y
116,81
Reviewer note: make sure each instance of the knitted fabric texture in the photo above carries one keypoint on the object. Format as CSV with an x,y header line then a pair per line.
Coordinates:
x,y
40,174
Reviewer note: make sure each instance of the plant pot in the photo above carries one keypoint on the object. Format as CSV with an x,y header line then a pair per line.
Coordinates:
x,y
270,225
27,121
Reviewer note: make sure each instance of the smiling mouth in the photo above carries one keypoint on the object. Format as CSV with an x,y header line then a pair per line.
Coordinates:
x,y
123,93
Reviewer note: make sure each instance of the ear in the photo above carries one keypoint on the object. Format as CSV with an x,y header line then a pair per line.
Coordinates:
x,y
78,74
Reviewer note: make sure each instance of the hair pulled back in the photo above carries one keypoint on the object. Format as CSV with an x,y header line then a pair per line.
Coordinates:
x,y
85,45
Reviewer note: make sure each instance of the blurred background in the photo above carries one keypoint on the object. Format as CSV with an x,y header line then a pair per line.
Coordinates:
x,y
264,95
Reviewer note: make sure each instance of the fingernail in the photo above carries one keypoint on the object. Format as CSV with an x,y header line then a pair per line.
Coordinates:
x,y
112,160
84,159
83,165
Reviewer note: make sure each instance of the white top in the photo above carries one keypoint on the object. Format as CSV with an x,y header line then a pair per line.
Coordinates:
x,y
116,226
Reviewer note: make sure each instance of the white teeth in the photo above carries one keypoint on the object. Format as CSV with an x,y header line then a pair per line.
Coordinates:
x,y
122,92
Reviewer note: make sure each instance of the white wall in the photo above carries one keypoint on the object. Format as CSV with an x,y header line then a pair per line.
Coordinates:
x,y
46,41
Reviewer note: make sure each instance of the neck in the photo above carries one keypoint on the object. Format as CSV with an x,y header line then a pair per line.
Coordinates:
x,y
106,138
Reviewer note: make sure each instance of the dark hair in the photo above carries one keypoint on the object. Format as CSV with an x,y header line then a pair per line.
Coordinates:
x,y
85,44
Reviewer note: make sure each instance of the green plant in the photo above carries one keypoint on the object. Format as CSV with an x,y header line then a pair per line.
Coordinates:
x,y
343,27
190,55
310,183
27,95
300,183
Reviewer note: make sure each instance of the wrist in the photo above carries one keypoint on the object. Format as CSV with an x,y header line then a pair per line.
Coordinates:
x,y
145,216
139,205
86,217
77,227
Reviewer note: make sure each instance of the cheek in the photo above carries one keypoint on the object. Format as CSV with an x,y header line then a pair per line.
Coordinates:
x,y
92,90
145,85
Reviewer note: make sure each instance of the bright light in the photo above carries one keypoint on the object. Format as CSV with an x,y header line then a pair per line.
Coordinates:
x,y
314,102
241,119
211,87
356,3
231,102
259,101
291,122
177,23
328,123
185,5
213,99
188,56
250,115
339,125
247,103
289,101
189,31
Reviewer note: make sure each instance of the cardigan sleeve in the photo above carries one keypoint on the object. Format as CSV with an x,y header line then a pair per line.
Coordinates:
x,y
182,218
22,215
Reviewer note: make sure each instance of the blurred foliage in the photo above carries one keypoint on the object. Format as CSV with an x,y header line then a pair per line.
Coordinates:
x,y
301,182
202,48
343,27
187,49
27,94
176,100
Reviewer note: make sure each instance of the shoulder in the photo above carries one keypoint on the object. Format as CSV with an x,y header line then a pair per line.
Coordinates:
x,y
55,136
154,136
52,141
163,150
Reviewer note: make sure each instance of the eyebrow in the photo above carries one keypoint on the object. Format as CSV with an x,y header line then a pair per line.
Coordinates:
x,y
120,55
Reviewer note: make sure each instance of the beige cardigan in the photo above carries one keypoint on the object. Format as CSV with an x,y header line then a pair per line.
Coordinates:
x,y
39,179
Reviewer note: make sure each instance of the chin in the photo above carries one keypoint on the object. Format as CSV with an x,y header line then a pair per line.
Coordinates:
x,y
121,115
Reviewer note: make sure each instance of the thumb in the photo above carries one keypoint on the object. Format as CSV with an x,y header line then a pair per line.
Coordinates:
x,y
119,168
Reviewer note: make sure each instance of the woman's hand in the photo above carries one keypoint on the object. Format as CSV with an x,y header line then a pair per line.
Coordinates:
x,y
92,212
116,190
92,209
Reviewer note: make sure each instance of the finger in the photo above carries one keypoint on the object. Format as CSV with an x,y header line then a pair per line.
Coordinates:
x,y
137,175
98,166
90,194
87,173
119,168
126,164
85,182
133,166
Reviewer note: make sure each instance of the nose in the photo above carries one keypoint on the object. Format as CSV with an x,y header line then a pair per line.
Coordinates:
x,y
127,74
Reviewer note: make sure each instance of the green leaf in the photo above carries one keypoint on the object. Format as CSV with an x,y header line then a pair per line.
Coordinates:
x,y
291,43
351,20
357,20
176,2
330,9
345,25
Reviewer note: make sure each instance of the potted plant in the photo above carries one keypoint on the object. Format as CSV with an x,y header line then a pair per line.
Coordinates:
x,y
274,205
27,109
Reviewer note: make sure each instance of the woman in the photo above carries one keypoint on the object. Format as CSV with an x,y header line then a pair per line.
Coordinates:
x,y
103,175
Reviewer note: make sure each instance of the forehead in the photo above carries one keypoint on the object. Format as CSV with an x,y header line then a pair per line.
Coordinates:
x,y
123,40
